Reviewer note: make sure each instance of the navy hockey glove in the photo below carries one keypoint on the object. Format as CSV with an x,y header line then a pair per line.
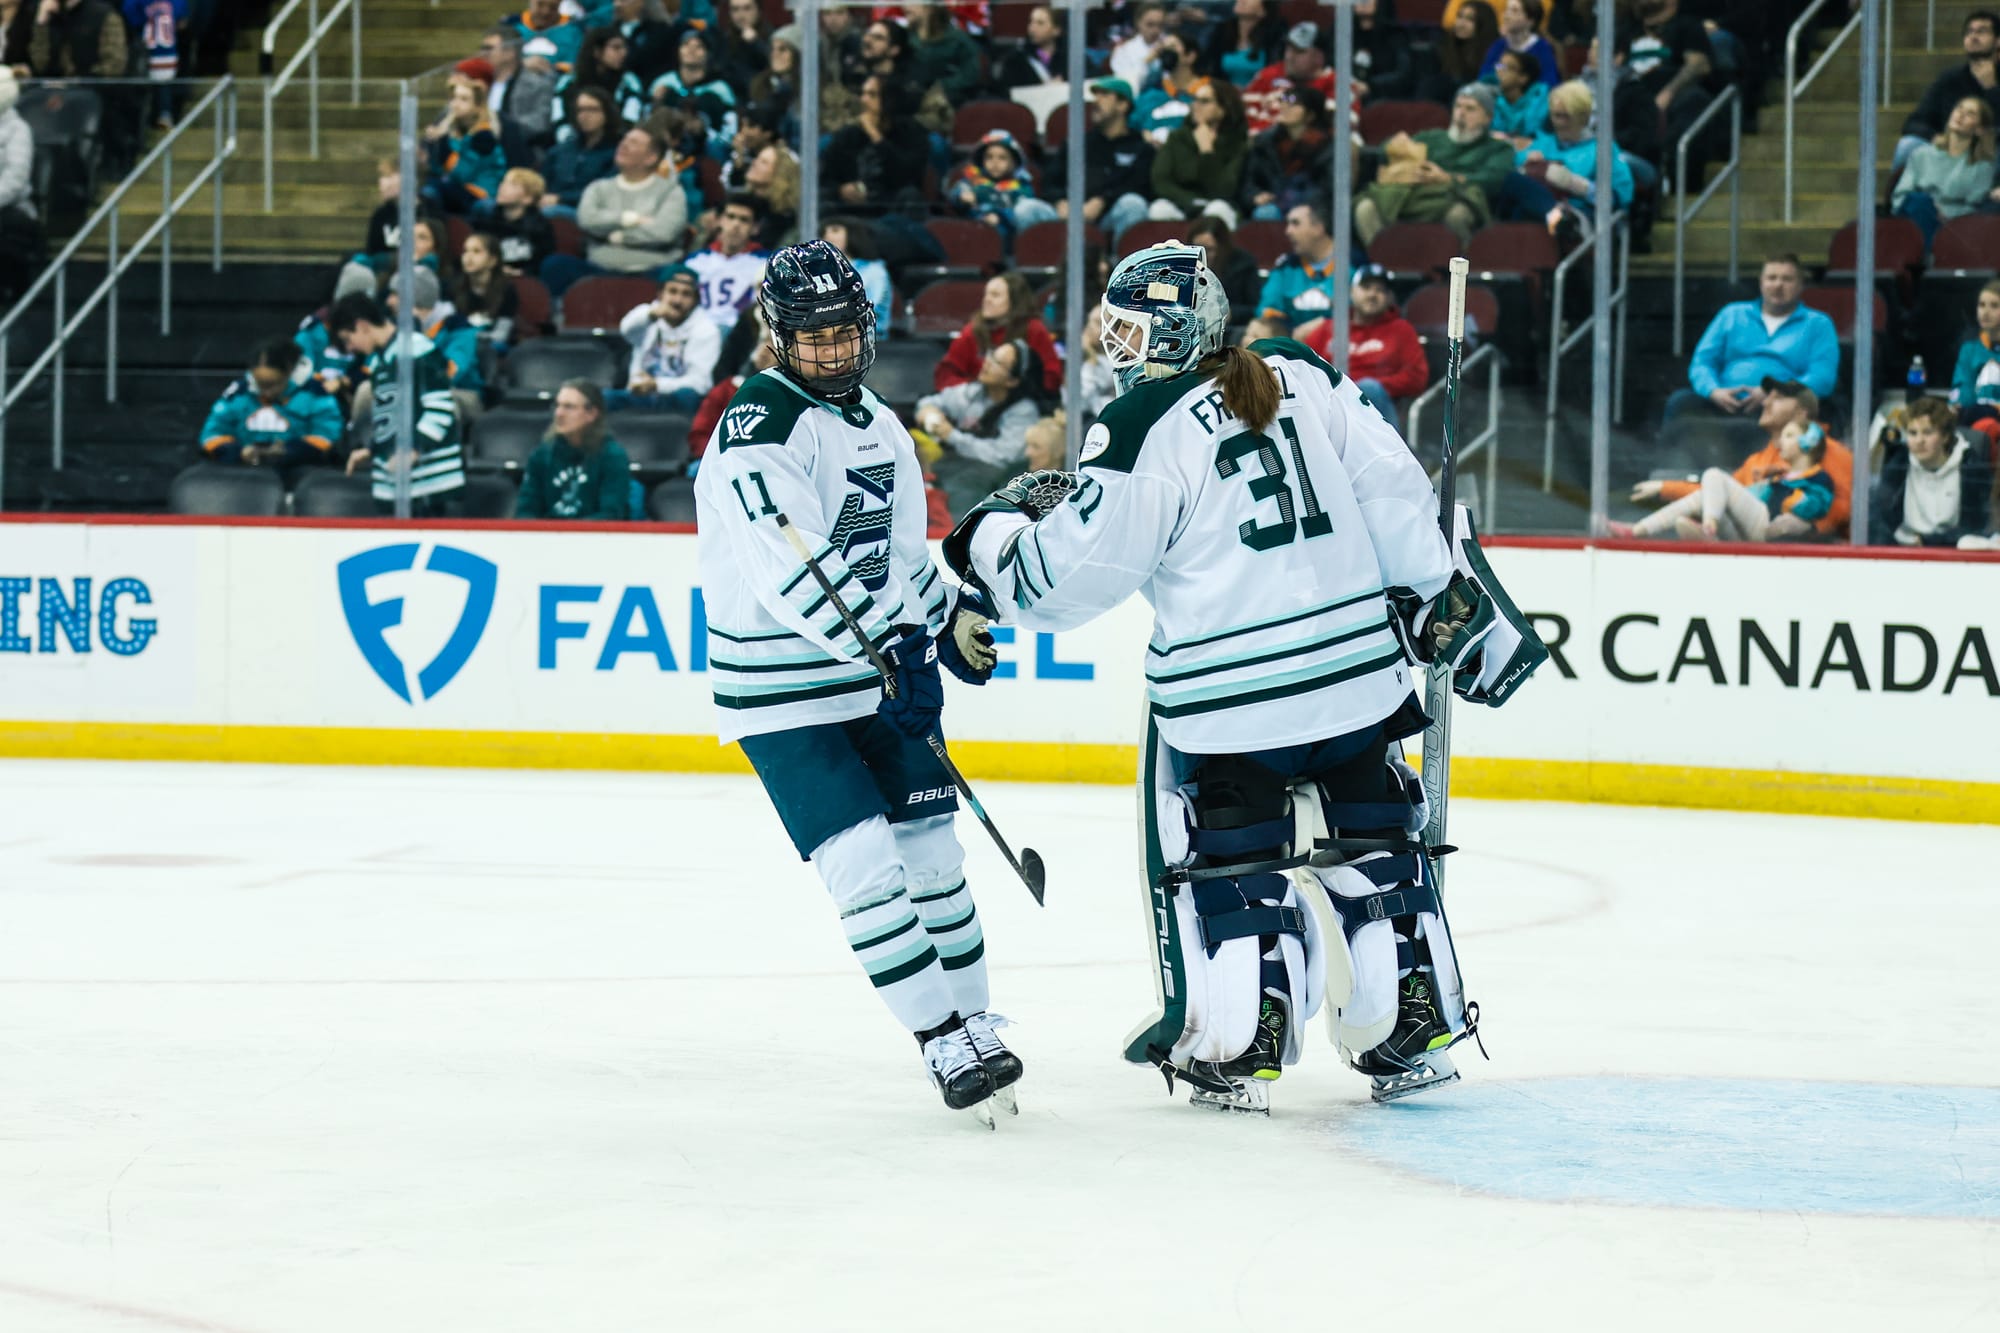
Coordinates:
x,y
919,697
1034,494
967,648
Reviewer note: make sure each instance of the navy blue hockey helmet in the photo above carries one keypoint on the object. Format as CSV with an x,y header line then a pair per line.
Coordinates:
x,y
808,288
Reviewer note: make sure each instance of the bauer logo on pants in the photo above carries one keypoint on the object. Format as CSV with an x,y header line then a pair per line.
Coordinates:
x,y
369,621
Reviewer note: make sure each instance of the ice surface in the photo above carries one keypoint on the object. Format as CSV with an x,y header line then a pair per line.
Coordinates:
x,y
334,1049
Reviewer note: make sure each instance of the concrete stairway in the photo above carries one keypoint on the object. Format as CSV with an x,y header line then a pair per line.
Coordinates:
x,y
320,204
1824,164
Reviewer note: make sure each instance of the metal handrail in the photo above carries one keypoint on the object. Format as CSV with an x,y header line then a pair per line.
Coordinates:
x,y
1686,209
307,54
1558,344
222,98
1487,442
1794,85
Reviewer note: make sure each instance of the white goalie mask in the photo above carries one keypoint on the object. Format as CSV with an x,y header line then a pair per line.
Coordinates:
x,y
1163,313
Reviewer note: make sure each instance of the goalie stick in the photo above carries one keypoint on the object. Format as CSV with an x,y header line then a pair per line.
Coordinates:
x,y
1029,864
1437,686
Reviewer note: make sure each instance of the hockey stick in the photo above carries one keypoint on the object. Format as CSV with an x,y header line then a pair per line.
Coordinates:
x,y
1029,864
1437,686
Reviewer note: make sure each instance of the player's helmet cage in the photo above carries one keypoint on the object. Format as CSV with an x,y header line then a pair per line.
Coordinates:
x,y
1164,312
808,287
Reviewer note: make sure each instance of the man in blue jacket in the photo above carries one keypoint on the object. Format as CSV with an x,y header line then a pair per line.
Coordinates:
x,y
1748,342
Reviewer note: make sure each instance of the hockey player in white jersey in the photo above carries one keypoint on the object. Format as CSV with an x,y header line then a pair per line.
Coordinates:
x,y
857,787
1290,546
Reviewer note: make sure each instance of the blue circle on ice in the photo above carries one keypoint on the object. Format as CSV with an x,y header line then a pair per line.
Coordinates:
x,y
1754,1144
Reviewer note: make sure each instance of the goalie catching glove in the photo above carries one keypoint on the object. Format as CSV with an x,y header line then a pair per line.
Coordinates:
x,y
1473,627
1035,494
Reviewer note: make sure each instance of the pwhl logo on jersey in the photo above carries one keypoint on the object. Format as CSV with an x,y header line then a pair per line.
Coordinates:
x,y
368,621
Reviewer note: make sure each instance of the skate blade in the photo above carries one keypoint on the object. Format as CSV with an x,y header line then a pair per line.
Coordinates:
x,y
983,1113
1005,1099
1394,1088
1251,1097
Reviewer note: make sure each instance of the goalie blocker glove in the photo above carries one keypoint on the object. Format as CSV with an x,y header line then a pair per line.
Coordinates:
x,y
1474,626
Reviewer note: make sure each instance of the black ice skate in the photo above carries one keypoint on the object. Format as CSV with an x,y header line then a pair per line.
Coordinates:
x,y
956,1070
1413,1057
1002,1064
1247,1078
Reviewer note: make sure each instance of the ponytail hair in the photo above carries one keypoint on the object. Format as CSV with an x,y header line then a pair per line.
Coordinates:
x,y
1249,388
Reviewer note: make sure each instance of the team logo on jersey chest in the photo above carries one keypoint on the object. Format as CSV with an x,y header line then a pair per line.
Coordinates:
x,y
861,533
741,422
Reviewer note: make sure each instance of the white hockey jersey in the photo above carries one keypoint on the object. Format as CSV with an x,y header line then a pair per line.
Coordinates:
x,y
848,479
1266,556
728,282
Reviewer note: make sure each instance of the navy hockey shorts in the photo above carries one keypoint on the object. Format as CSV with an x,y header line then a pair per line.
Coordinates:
x,y
827,778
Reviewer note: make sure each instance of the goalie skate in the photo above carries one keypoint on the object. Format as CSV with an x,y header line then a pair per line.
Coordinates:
x,y
1427,1071
1243,1096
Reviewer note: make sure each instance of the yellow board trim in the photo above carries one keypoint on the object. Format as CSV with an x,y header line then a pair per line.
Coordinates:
x,y
1849,795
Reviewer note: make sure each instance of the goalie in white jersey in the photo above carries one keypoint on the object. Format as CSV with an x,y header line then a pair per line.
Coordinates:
x,y
854,781
1289,544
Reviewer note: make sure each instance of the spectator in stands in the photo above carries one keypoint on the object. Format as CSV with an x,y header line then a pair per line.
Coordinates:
x,y
1951,176
774,96
1304,65
1293,160
1786,403
1200,169
1567,158
278,414
636,220
994,184
21,239
549,33
437,467
1774,337
674,349
1520,23
604,63
1936,484
885,51
1469,33
1668,56
1042,58
1006,312
876,166
77,39
754,133
159,27
463,148
1975,381
526,96
519,226
1450,175
1165,104
1132,59
578,471
453,335
1300,288
1978,77
1046,448
762,358
17,26
944,57
974,435
1784,507
1383,67
483,293
587,153
695,83
649,38
744,48
1385,359
1521,111
774,178
369,269
841,67
729,267
1241,278
1240,46
1117,167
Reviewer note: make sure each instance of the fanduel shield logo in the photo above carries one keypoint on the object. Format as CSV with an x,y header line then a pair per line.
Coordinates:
x,y
369,621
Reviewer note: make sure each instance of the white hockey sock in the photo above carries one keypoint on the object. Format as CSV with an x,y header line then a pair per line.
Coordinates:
x,y
896,951
952,923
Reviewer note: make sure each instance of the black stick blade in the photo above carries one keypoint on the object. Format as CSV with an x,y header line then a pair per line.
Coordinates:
x,y
1032,873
